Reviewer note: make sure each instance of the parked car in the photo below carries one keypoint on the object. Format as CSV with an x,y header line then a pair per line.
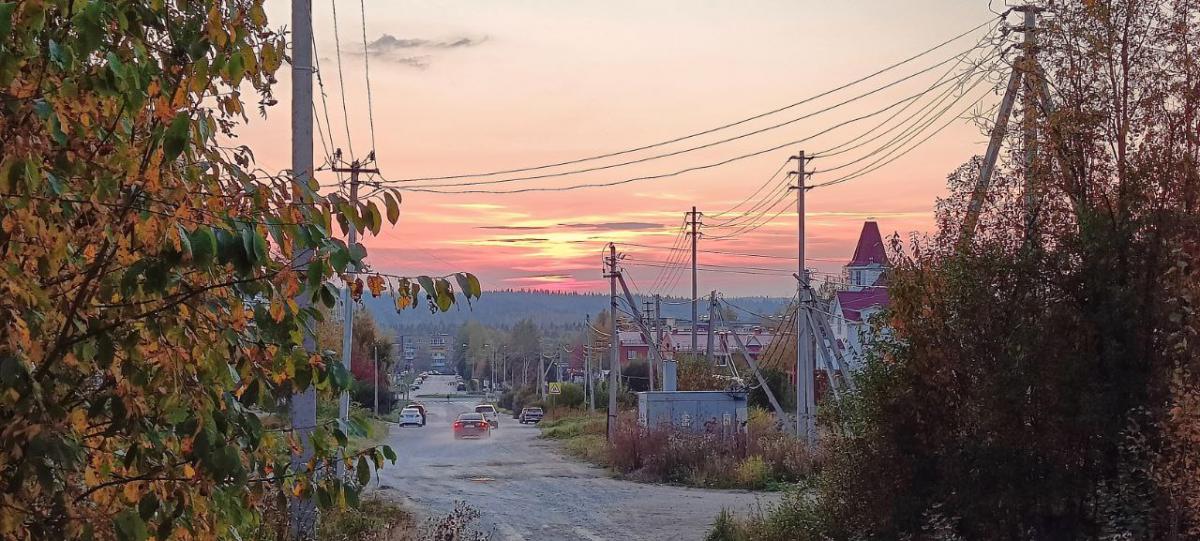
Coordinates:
x,y
490,413
421,408
530,415
472,425
461,386
411,417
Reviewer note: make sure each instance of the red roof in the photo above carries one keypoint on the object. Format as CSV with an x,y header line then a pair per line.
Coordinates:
x,y
854,302
870,247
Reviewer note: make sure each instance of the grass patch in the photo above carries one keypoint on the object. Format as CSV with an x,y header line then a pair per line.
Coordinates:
x,y
375,519
761,458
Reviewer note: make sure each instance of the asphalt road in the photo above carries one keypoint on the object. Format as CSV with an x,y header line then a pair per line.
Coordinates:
x,y
525,489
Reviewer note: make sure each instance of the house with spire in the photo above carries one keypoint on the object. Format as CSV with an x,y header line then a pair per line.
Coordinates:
x,y
865,294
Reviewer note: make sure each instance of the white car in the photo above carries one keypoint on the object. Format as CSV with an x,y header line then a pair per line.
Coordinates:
x,y
490,413
411,416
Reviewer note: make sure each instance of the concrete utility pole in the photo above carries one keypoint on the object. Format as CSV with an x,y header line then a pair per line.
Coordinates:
x,y
649,314
1029,120
615,339
712,306
303,511
587,367
805,401
694,221
658,329
1025,67
542,375
376,348
356,167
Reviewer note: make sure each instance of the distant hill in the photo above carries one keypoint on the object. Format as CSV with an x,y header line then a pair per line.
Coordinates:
x,y
549,310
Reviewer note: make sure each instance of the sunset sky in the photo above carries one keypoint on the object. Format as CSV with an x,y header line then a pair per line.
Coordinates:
x,y
468,87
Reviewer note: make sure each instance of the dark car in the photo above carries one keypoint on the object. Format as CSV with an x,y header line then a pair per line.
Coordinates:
x,y
462,386
530,415
472,425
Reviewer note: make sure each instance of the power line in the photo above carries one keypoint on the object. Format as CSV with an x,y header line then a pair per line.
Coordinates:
x,y
367,73
726,252
702,146
337,41
872,166
661,175
718,128
751,196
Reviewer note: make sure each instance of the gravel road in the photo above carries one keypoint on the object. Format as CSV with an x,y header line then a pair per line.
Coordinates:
x,y
525,489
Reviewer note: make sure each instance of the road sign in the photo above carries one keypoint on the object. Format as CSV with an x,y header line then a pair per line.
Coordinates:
x,y
555,388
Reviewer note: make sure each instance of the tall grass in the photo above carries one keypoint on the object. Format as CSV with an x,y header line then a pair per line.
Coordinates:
x,y
759,458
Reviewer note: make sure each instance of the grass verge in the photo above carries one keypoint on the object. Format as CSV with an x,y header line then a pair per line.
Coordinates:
x,y
761,458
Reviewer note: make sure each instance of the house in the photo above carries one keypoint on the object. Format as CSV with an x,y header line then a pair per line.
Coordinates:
x,y
865,294
679,341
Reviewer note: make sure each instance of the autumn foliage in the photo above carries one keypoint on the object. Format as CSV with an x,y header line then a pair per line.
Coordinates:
x,y
155,285
1040,378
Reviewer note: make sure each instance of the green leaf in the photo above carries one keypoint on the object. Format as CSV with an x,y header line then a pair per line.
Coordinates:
x,y
389,453
339,258
393,208
6,11
357,253
185,243
130,526
204,245
175,140
363,471
475,290
427,284
376,218
340,437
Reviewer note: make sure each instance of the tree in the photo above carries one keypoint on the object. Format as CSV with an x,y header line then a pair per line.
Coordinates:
x,y
150,322
1036,382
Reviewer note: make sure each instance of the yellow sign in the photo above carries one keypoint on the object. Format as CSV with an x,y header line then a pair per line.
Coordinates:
x,y
555,388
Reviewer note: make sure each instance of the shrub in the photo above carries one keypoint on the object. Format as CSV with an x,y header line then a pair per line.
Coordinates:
x,y
570,397
753,472
726,528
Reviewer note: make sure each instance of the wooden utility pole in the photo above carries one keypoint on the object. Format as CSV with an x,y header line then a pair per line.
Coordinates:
x,y
303,511
615,339
805,401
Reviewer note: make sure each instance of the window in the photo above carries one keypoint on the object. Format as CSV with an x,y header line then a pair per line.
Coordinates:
x,y
631,354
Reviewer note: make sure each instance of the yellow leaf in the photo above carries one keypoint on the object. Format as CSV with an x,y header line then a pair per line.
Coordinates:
x,y
188,471
79,420
130,491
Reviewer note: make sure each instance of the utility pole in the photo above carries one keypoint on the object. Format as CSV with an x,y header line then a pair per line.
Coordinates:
x,y
542,375
376,371
356,167
1029,120
615,339
648,311
303,511
1025,67
805,401
708,347
694,221
587,368
658,331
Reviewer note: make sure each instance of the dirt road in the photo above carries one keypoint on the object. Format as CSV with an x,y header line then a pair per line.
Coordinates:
x,y
524,489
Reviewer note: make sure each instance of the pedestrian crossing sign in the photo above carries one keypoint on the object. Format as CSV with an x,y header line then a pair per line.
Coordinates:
x,y
555,388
